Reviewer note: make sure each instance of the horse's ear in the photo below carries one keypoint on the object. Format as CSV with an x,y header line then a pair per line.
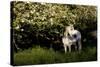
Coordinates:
x,y
70,25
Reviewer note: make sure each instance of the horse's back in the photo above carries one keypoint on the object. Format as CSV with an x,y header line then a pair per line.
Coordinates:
x,y
77,34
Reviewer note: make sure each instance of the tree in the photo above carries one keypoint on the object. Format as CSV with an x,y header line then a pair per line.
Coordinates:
x,y
40,22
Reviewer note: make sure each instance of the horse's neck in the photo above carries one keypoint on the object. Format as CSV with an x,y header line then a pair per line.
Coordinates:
x,y
72,32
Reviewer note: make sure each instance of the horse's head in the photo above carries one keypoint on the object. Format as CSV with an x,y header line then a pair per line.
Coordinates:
x,y
69,29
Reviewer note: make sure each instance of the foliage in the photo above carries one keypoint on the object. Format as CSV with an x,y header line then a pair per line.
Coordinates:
x,y
45,22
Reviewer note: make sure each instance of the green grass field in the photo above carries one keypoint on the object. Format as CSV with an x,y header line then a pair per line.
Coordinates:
x,y
39,55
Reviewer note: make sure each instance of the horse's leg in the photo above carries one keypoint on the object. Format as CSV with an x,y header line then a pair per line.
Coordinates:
x,y
69,48
65,48
75,46
80,45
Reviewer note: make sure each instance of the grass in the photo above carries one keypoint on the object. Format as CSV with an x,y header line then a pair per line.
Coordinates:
x,y
40,55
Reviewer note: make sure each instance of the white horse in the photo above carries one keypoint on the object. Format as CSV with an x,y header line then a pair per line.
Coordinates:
x,y
71,36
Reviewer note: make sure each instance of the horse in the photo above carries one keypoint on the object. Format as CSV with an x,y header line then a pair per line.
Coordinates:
x,y
71,37
67,42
